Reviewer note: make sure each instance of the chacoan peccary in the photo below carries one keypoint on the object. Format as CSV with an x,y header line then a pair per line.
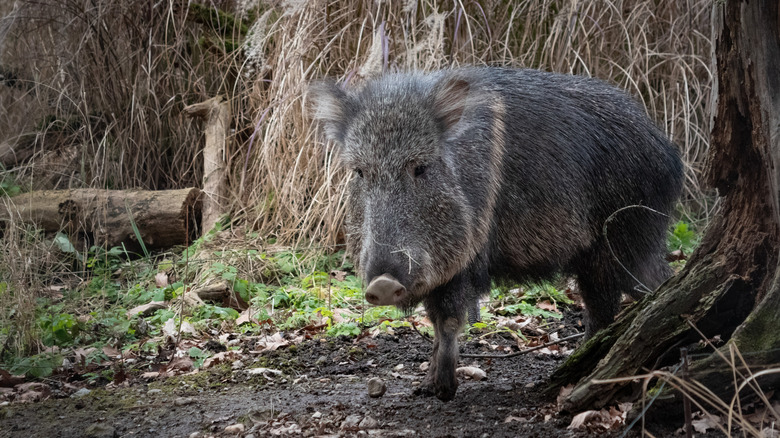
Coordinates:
x,y
466,175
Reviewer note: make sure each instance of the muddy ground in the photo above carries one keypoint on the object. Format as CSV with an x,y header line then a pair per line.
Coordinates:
x,y
321,391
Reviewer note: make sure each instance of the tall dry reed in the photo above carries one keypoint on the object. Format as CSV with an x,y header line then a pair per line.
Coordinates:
x,y
102,83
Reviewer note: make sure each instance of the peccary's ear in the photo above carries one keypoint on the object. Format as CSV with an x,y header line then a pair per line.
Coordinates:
x,y
449,100
331,108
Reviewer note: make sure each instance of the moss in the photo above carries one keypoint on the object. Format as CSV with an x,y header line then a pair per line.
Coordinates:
x,y
759,331
212,378
356,352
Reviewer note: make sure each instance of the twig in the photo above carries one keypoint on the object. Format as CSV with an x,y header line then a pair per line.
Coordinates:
x,y
516,353
686,400
527,350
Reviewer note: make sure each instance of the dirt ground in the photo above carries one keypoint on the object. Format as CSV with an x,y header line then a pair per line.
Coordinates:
x,y
319,388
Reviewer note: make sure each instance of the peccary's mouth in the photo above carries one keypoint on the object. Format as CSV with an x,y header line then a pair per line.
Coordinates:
x,y
385,290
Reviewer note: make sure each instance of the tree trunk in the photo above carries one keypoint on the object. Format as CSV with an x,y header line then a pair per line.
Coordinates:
x,y
217,116
731,285
162,218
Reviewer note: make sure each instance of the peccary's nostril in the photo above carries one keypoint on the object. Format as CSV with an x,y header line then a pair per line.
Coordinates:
x,y
372,298
385,290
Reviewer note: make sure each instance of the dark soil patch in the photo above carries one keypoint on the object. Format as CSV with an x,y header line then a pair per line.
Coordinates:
x,y
321,392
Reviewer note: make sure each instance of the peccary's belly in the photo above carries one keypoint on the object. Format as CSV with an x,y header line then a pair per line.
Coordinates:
x,y
538,242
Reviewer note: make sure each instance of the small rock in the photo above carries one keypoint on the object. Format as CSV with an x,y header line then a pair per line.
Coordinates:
x,y
424,366
234,428
154,391
351,422
472,372
368,423
100,430
81,393
376,387
399,367
31,396
146,309
195,435
237,365
263,371
317,415
181,401
150,375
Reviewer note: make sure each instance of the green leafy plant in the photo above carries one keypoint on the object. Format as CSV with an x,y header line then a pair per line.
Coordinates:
x,y
545,291
64,244
344,329
37,366
209,311
527,309
198,356
101,260
9,187
682,238
58,329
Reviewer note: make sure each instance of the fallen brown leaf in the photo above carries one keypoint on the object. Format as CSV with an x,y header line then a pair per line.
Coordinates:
x,y
705,422
161,280
338,275
547,305
222,357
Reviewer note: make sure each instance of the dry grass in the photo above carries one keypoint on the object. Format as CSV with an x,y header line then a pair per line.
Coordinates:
x,y
288,183
750,412
28,267
105,82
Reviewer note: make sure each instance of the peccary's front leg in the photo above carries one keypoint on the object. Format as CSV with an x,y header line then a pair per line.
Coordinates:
x,y
441,378
446,308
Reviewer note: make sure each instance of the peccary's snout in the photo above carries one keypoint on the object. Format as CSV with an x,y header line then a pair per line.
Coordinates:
x,y
385,290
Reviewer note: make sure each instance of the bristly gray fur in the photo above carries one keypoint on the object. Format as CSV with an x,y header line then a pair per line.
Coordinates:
x,y
471,174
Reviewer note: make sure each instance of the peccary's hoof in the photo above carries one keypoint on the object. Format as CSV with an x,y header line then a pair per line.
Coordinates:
x,y
424,390
443,393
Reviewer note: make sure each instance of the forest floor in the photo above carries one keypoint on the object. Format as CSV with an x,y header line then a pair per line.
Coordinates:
x,y
318,387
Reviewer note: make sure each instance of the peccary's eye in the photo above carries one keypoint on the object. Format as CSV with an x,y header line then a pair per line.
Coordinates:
x,y
420,170
359,172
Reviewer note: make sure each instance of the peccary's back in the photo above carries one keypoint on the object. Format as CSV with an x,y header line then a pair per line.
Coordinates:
x,y
572,152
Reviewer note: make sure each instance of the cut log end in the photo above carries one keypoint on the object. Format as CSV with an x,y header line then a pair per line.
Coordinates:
x,y
112,217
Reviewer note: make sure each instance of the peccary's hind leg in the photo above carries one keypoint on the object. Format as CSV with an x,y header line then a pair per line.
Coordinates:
x,y
474,316
635,266
601,293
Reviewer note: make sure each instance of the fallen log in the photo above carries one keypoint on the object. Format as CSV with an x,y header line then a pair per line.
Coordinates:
x,y
106,217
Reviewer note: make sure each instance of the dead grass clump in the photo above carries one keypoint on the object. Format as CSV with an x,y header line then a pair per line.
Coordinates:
x,y
111,78
287,182
29,266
